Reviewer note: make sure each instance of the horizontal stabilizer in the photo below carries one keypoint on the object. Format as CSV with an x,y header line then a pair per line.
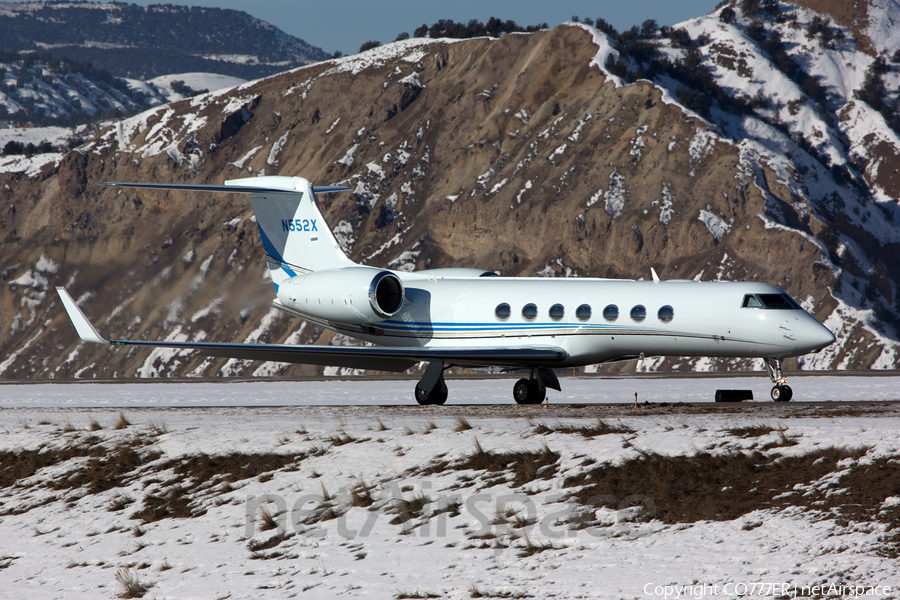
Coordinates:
x,y
232,189
380,358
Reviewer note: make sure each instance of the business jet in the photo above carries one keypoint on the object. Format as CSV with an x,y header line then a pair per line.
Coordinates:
x,y
475,318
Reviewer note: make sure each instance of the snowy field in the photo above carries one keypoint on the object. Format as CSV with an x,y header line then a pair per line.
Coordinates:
x,y
464,391
204,490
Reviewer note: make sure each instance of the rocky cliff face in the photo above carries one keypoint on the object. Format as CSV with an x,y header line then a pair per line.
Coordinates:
x,y
520,155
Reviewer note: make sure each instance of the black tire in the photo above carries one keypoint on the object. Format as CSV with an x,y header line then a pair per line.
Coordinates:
x,y
422,396
437,396
529,391
522,392
538,391
439,393
781,393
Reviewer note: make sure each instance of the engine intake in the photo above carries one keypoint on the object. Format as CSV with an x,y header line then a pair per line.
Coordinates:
x,y
347,295
386,294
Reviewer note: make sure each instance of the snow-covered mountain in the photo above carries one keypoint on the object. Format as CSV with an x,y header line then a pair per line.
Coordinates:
x,y
141,42
754,143
811,92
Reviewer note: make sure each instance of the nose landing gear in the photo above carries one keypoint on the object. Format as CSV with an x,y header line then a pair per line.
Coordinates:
x,y
781,392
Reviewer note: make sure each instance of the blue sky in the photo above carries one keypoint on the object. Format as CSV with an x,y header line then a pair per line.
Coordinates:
x,y
345,24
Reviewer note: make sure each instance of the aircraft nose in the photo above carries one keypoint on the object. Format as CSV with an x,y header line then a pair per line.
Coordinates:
x,y
816,336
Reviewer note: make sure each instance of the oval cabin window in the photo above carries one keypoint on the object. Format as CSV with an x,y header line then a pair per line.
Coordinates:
x,y
583,312
638,313
611,313
666,314
503,311
557,312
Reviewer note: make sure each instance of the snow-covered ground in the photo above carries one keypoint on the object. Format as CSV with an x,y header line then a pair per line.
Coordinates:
x,y
413,502
463,391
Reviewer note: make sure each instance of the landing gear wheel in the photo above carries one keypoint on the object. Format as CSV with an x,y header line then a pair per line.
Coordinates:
x,y
782,393
529,391
437,396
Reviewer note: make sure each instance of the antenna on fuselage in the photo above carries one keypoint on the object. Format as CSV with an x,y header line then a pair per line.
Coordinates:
x,y
655,276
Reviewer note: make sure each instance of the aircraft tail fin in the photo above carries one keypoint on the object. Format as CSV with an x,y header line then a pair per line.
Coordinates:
x,y
294,233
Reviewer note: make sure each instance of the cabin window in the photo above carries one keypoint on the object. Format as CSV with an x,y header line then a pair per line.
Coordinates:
x,y
611,313
638,313
557,312
583,312
666,314
777,301
750,301
503,311
529,311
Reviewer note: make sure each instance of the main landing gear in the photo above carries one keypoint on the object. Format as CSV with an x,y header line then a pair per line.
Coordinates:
x,y
529,391
437,395
534,389
432,389
781,392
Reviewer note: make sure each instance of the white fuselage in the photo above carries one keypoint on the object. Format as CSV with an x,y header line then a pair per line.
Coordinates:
x,y
706,318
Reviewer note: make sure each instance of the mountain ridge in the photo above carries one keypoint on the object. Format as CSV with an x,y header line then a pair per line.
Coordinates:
x,y
526,154
117,36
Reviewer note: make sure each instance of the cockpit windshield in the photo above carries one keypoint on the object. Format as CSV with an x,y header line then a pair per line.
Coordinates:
x,y
769,301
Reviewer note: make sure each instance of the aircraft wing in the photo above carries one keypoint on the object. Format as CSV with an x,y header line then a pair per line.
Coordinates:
x,y
381,358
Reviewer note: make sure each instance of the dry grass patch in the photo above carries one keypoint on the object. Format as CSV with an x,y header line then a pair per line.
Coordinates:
x,y
131,584
195,474
267,518
755,430
525,465
342,437
600,427
107,468
723,487
122,421
275,540
418,594
175,503
120,502
361,494
476,592
530,548
409,509
462,424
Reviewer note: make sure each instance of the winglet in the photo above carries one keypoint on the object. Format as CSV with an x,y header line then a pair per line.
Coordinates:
x,y
655,276
85,330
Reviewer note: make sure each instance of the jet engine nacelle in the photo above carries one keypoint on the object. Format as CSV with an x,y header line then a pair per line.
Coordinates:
x,y
345,295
